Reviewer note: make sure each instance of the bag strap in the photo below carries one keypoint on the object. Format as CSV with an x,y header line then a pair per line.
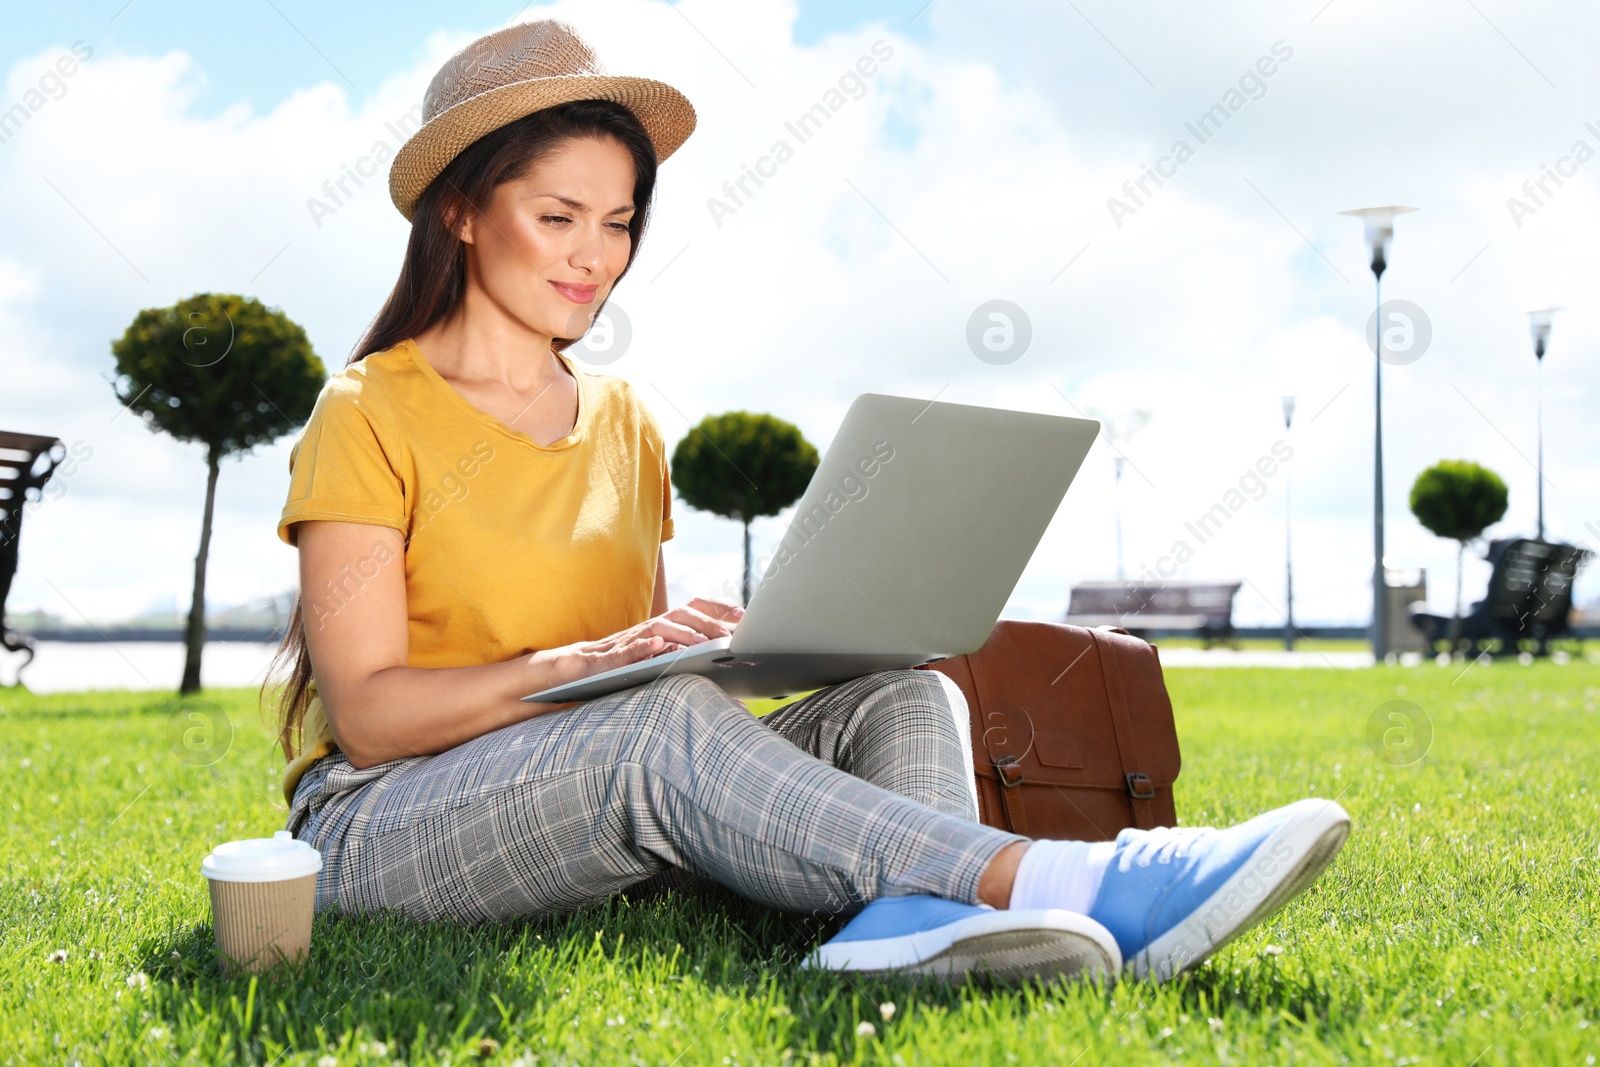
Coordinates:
x,y
1141,790
1010,775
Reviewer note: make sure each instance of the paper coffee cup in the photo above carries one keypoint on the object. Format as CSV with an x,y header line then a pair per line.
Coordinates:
x,y
263,896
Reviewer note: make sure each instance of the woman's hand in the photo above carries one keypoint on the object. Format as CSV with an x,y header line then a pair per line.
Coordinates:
x,y
702,619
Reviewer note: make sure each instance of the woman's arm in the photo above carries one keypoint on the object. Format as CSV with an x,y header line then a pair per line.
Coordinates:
x,y
381,709
658,604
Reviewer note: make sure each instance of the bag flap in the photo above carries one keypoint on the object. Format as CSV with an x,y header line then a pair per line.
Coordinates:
x,y
1042,698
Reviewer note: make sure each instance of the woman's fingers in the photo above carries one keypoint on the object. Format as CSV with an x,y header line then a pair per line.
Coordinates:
x,y
646,647
625,652
702,619
683,633
711,625
717,609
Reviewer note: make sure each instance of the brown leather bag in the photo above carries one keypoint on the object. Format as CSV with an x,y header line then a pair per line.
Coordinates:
x,y
1072,732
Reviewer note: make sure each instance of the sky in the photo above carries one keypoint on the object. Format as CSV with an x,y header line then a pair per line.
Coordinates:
x,y
1178,275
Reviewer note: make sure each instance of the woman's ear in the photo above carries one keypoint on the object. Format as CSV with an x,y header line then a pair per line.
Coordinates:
x,y
458,218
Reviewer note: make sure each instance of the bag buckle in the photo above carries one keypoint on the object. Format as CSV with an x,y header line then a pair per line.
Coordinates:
x,y
1140,787
1010,771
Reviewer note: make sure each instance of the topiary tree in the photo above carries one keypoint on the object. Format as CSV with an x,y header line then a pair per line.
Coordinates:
x,y
739,465
225,371
1458,499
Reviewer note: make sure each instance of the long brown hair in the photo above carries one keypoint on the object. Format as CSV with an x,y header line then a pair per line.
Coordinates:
x,y
433,282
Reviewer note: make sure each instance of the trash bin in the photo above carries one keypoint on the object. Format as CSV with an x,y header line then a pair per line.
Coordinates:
x,y
1404,586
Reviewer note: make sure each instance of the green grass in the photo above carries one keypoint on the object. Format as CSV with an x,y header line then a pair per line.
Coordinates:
x,y
1458,926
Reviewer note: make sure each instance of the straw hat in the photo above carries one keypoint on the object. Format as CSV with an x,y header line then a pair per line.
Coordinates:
x,y
514,72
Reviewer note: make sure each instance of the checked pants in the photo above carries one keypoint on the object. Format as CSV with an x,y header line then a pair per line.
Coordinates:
x,y
859,790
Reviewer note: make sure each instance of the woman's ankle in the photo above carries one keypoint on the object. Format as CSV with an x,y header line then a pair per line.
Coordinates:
x,y
1061,874
994,885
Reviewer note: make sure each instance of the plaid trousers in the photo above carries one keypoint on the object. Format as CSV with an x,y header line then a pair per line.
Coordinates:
x,y
859,790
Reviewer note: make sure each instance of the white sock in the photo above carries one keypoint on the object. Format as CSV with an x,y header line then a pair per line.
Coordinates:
x,y
1061,874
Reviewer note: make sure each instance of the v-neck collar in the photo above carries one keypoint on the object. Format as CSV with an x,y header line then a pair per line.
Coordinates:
x,y
579,425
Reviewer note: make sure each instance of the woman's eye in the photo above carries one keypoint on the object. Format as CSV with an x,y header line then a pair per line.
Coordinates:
x,y
617,227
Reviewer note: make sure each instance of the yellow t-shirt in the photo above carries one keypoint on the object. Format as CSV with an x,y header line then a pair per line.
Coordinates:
x,y
511,546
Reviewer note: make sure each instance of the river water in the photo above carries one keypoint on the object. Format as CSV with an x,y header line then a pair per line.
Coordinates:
x,y
61,666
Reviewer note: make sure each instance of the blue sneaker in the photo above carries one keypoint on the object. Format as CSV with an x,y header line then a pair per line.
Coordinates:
x,y
1173,896
933,936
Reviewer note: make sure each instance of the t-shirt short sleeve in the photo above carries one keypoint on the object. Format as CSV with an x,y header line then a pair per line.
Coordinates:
x,y
653,429
666,503
341,467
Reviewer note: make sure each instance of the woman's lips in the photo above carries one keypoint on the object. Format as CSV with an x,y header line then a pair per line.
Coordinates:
x,y
578,294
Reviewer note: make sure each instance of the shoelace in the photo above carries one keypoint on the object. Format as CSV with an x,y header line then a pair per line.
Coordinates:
x,y
1161,845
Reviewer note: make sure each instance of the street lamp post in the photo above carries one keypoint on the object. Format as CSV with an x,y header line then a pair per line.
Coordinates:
x,y
1118,429
1288,542
1116,506
1539,325
1378,229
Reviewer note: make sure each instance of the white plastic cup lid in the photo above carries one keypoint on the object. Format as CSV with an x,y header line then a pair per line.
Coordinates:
x,y
262,859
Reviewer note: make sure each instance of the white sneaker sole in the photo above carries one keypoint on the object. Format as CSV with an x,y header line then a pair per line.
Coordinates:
x,y
1006,946
1290,859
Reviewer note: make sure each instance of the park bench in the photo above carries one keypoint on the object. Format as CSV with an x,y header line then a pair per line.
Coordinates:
x,y
19,456
1529,599
1202,608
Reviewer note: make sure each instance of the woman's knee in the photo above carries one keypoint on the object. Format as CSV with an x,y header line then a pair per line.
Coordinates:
x,y
925,699
923,719
671,705
955,700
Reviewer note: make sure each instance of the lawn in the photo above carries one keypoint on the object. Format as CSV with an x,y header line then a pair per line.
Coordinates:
x,y
1457,927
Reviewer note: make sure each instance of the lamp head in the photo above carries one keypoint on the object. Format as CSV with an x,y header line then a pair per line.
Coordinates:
x,y
1378,224
1539,326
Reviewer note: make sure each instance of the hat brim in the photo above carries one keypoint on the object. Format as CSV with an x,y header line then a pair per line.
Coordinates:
x,y
665,113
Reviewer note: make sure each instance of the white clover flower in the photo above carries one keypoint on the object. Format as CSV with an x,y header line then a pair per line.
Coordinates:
x,y
58,956
866,1029
886,1009
138,980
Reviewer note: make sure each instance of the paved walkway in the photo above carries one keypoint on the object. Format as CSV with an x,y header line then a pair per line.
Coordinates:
x,y
1228,657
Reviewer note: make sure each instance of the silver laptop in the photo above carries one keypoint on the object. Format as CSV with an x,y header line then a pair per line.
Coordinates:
x,y
903,550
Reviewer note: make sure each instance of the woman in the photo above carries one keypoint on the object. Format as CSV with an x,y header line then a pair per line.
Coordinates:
x,y
478,519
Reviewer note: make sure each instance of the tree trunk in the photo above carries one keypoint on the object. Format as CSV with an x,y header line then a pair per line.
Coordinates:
x,y
745,590
195,635
1455,624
